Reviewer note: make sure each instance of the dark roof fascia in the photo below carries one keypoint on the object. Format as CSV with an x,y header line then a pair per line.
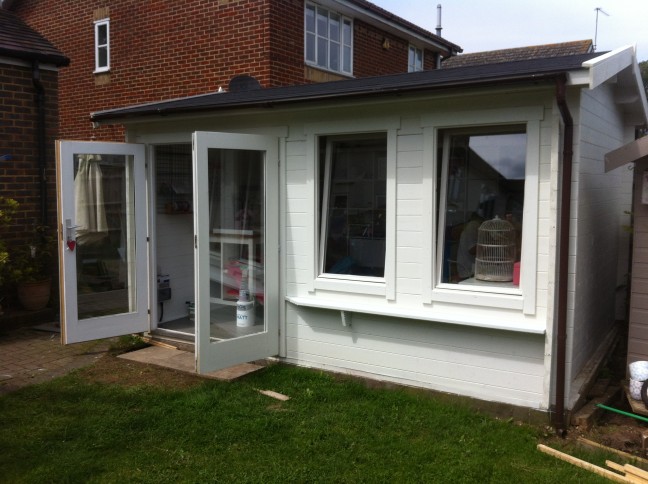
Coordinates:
x,y
428,81
452,48
58,61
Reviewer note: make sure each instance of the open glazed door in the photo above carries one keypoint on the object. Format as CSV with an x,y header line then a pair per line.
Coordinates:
x,y
236,248
102,239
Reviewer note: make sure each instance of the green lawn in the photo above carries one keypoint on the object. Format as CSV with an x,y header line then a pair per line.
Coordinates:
x,y
331,430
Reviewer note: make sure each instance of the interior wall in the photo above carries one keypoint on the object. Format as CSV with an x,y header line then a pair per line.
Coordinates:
x,y
173,224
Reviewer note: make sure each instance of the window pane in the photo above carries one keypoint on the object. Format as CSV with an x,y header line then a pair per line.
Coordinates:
x,y
102,34
102,60
334,27
310,18
485,181
322,21
310,47
346,67
334,57
353,175
322,52
346,32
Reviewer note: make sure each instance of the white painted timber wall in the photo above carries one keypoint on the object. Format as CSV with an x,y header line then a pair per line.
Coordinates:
x,y
490,364
599,200
174,254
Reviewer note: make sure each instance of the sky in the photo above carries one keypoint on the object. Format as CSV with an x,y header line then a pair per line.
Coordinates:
x,y
478,25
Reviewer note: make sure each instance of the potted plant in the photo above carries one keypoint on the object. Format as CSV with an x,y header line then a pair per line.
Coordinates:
x,y
30,266
8,207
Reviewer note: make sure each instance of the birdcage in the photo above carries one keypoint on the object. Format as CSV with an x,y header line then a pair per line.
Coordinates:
x,y
495,251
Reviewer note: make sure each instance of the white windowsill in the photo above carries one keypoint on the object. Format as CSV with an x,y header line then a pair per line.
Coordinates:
x,y
419,314
352,284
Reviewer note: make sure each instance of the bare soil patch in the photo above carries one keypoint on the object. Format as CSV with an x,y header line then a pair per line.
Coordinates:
x,y
116,371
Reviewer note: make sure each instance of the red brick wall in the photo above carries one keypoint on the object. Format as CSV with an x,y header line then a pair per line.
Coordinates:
x,y
19,177
159,50
162,50
286,30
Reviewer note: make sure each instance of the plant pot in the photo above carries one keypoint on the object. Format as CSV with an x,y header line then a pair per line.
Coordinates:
x,y
34,296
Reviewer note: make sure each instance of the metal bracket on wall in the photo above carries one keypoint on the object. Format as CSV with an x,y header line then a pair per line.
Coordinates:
x,y
346,318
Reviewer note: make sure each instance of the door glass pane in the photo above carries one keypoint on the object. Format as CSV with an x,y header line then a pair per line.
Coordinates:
x,y
236,249
104,199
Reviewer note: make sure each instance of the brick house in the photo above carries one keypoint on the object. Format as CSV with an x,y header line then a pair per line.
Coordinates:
x,y
29,68
124,52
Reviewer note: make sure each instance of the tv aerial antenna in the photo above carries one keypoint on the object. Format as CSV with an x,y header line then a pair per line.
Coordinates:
x,y
598,9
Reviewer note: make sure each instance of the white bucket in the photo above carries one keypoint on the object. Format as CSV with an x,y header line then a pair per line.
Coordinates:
x,y
245,314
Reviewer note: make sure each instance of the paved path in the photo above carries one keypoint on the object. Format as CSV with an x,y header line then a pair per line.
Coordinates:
x,y
30,355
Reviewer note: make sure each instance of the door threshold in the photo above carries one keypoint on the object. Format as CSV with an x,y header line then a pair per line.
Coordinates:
x,y
185,362
169,338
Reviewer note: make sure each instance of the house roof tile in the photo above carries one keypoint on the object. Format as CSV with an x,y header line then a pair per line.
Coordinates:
x,y
18,40
520,53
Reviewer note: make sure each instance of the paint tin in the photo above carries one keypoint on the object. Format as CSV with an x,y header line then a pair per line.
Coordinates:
x,y
244,314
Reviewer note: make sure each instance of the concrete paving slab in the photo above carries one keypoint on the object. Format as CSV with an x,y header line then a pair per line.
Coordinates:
x,y
185,361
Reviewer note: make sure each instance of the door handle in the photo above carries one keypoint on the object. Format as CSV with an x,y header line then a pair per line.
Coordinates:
x,y
70,234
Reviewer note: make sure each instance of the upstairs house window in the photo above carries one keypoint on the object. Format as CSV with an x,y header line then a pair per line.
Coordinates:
x,y
353,180
415,59
328,42
102,45
482,185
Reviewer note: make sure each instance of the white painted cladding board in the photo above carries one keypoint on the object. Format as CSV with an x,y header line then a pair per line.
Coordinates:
x,y
485,364
601,199
489,364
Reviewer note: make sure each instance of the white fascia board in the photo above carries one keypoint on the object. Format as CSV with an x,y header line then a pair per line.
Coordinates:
x,y
641,92
621,66
353,11
606,66
580,77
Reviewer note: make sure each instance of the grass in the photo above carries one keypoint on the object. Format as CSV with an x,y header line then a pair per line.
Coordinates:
x,y
74,429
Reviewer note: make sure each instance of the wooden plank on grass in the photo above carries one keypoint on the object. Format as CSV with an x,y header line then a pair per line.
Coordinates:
x,y
582,464
630,477
618,452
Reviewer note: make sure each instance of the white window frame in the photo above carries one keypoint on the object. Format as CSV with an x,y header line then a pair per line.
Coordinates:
x,y
345,50
342,283
523,297
413,66
99,47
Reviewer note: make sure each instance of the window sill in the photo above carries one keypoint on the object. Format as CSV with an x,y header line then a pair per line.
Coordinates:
x,y
371,286
505,298
418,314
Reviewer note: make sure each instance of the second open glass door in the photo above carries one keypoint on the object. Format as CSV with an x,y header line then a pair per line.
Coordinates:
x,y
236,243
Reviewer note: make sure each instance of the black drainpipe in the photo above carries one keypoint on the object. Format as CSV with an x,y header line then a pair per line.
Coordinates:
x,y
40,140
563,252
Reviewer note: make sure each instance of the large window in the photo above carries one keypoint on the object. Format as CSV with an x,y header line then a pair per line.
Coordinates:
x,y
481,202
328,39
415,59
102,45
353,174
